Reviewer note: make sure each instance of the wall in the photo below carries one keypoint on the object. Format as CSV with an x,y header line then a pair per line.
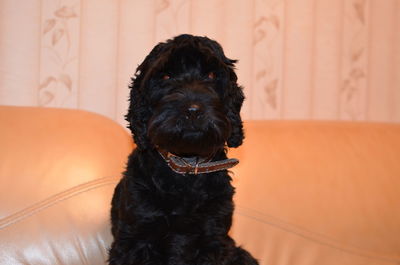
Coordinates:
x,y
299,59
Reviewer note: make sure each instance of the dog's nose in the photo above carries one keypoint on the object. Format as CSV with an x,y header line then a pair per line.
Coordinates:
x,y
193,108
193,111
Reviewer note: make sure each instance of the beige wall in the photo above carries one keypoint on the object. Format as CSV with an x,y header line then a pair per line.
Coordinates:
x,y
299,59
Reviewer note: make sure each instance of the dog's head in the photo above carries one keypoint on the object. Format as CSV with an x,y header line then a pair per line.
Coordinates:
x,y
185,98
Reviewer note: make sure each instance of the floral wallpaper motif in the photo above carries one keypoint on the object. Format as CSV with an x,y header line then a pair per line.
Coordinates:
x,y
57,83
355,64
267,41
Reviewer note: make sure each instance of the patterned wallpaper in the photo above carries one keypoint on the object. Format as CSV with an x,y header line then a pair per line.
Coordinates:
x,y
59,54
304,59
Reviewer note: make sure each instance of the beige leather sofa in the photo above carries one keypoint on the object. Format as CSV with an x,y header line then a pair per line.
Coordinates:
x,y
308,193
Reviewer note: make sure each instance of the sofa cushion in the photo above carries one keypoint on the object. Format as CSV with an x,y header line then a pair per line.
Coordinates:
x,y
314,192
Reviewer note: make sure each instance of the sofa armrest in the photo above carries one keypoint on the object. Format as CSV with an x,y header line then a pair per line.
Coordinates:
x,y
58,170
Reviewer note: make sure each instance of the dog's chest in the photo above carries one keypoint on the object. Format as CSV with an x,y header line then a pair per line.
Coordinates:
x,y
188,194
185,193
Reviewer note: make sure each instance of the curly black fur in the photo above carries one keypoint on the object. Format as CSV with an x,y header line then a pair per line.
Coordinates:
x,y
184,99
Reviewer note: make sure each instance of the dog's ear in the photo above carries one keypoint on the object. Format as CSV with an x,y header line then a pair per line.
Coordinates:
x,y
139,111
233,94
233,99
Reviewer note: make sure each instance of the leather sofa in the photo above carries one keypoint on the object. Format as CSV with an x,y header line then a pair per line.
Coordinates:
x,y
308,192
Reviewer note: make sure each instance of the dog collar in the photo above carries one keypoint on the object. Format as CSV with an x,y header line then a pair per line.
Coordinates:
x,y
195,165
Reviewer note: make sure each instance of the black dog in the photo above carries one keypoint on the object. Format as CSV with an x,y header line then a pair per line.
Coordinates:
x,y
174,204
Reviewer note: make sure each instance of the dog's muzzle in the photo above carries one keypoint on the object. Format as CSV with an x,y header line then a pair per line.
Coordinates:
x,y
195,165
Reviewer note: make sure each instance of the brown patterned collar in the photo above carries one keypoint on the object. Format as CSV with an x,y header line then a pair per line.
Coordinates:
x,y
195,165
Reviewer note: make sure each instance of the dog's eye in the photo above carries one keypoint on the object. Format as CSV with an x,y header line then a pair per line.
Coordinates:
x,y
166,77
211,75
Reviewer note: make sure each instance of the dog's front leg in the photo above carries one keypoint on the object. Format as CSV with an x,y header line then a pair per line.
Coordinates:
x,y
130,247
